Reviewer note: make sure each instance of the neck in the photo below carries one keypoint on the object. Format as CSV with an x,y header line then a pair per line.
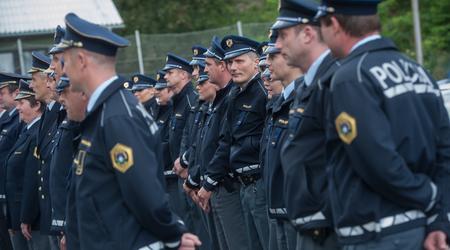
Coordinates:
x,y
351,41
97,80
291,76
315,52
224,80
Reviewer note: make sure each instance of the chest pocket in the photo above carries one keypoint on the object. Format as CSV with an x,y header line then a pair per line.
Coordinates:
x,y
177,122
278,127
295,117
243,116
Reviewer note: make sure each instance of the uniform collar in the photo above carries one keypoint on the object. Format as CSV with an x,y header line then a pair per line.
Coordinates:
x,y
311,73
11,113
33,122
50,105
2,113
248,83
98,91
364,41
288,90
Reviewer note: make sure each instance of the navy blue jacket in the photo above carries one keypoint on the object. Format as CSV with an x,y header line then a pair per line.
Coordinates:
x,y
208,138
45,141
239,144
183,103
120,198
388,145
11,128
303,154
61,162
273,172
21,181
162,118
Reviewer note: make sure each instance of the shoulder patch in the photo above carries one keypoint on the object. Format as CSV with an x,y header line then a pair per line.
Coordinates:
x,y
121,157
346,127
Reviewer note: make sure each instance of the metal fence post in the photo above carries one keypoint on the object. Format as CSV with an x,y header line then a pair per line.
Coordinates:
x,y
20,52
139,51
239,28
417,33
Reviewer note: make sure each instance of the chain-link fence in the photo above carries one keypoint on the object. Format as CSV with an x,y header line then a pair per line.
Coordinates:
x,y
156,46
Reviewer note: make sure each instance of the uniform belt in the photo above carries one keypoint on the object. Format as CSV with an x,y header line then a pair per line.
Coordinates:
x,y
169,172
377,226
319,216
248,179
247,168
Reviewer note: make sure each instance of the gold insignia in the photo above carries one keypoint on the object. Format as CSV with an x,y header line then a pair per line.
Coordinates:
x,y
195,52
121,157
264,48
79,162
126,85
346,127
35,153
86,142
167,58
247,106
135,79
178,115
158,76
300,110
284,122
229,43
270,33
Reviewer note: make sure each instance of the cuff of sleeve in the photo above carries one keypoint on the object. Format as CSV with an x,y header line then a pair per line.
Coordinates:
x,y
191,183
210,184
183,161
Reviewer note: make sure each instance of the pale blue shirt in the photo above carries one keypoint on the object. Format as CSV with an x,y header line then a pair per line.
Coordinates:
x,y
365,40
311,73
50,105
288,90
12,111
2,113
33,122
98,91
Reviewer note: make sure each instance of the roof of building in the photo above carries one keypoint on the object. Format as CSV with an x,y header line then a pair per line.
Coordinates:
x,y
30,17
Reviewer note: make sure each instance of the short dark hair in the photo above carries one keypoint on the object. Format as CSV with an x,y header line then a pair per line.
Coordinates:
x,y
34,103
355,26
12,87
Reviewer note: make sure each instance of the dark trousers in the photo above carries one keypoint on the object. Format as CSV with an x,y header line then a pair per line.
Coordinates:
x,y
305,242
229,219
254,205
5,242
407,240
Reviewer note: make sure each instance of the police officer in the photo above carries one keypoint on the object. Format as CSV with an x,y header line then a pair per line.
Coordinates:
x,y
224,212
63,151
239,147
143,89
115,167
198,60
11,127
55,70
277,134
303,155
184,101
162,117
388,172
21,179
43,87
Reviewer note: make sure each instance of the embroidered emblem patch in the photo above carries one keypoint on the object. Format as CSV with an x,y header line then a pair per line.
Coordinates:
x,y
229,43
346,127
126,85
121,157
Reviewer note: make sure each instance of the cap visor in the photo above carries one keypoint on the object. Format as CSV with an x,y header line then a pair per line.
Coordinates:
x,y
21,96
235,54
279,24
272,50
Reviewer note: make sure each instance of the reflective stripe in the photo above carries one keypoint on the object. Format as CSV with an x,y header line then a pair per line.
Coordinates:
x,y
211,181
448,217
172,244
383,223
310,218
247,168
238,50
277,210
169,172
2,196
58,223
431,219
183,158
154,246
433,197
192,182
